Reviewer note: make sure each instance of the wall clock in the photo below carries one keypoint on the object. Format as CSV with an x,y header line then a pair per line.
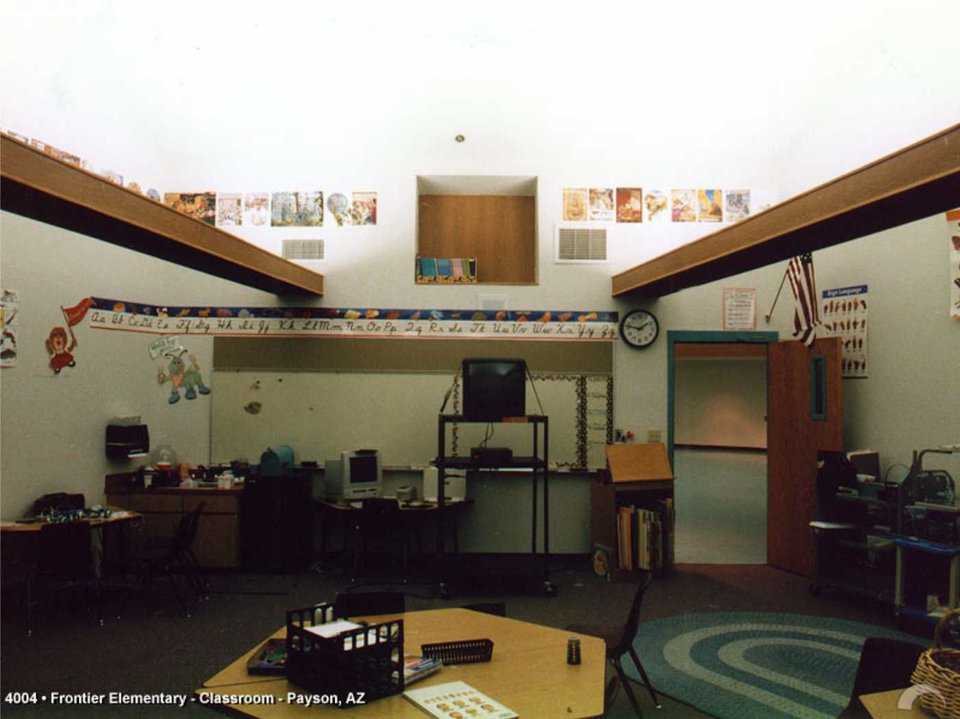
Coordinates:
x,y
639,328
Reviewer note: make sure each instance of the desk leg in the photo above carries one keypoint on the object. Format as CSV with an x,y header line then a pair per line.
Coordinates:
x,y
898,585
954,581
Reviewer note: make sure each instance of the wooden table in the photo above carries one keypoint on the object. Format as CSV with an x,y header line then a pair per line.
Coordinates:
x,y
528,672
883,705
19,527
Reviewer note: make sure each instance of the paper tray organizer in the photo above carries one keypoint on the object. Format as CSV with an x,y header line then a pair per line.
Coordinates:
x,y
467,651
368,659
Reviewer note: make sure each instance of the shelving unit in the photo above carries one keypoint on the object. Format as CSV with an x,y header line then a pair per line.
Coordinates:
x,y
537,462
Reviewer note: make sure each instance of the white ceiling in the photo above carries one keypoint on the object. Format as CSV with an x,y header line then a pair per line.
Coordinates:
x,y
192,94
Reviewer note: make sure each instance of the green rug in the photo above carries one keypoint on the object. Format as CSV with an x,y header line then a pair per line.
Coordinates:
x,y
752,664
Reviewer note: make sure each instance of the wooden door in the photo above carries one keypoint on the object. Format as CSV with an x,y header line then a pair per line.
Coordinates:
x,y
804,415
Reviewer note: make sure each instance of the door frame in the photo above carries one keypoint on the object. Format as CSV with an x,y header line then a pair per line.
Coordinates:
x,y
675,337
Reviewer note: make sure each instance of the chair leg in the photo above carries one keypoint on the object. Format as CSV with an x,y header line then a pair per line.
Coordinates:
x,y
627,688
646,679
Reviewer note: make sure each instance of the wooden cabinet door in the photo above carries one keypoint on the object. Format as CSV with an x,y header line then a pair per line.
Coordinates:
x,y
804,416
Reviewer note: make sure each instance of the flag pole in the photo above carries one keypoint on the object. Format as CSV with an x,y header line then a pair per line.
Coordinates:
x,y
767,316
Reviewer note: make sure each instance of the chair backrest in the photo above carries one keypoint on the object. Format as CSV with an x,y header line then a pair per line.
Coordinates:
x,y
66,551
58,500
358,604
187,529
885,664
496,608
633,618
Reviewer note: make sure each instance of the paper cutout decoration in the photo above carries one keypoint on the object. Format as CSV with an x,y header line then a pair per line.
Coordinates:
x,y
165,346
629,204
9,307
339,207
296,209
364,208
575,204
181,376
59,346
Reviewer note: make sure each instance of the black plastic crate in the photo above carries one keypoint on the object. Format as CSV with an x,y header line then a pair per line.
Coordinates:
x,y
368,659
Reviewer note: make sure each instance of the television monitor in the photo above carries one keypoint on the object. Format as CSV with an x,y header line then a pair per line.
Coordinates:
x,y
494,389
353,475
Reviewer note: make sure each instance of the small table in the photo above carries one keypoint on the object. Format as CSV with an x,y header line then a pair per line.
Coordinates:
x,y
883,705
528,672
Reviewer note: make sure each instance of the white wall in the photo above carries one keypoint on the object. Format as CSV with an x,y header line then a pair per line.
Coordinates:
x,y
721,402
52,429
194,96
909,400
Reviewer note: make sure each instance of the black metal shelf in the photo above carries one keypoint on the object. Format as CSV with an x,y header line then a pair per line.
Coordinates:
x,y
539,464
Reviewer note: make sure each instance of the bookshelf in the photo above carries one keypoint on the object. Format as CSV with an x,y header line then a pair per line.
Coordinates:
x,y
637,476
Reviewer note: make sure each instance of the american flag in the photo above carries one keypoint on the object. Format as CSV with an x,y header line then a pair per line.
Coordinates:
x,y
806,311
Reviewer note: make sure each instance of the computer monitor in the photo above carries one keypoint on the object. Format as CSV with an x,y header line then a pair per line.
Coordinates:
x,y
353,475
494,389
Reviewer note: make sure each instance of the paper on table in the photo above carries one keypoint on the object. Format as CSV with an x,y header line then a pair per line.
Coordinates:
x,y
332,629
453,698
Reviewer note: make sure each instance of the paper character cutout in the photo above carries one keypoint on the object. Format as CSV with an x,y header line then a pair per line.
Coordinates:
x,y
179,375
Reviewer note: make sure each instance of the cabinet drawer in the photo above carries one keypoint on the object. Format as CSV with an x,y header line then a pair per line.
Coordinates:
x,y
122,501
156,503
214,504
218,541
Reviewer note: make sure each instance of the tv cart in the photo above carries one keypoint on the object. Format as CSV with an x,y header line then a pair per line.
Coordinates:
x,y
539,464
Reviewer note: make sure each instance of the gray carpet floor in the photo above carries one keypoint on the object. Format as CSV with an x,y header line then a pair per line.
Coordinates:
x,y
153,648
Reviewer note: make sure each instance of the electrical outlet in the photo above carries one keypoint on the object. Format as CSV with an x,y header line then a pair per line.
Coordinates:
x,y
654,435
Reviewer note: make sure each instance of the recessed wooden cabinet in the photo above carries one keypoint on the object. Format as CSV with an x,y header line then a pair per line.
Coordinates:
x,y
497,228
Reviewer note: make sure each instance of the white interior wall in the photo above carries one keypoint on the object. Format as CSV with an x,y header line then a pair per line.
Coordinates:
x,y
721,402
909,399
52,429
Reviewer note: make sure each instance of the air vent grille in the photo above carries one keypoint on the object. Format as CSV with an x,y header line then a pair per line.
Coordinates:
x,y
302,249
581,244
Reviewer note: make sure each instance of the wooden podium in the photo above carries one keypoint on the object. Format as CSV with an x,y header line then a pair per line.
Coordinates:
x,y
637,475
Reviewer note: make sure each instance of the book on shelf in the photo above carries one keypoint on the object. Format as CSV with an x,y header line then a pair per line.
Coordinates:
x,y
416,668
456,698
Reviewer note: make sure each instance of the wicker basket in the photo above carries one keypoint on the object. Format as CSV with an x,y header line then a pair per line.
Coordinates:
x,y
939,668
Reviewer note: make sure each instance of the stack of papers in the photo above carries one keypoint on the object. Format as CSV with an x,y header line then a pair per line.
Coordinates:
x,y
458,699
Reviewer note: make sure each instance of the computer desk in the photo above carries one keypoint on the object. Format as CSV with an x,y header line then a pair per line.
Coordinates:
x,y
416,514
528,672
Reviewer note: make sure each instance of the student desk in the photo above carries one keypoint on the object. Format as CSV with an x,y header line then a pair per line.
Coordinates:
x,y
883,705
528,673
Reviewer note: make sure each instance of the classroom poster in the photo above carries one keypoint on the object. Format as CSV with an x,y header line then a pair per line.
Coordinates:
x,y
574,204
683,205
573,325
657,205
256,209
711,205
198,205
229,209
363,211
739,308
953,231
9,307
629,204
601,204
296,209
844,315
737,205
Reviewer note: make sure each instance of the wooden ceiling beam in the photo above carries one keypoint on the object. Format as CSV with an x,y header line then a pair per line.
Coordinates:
x,y
44,188
910,184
